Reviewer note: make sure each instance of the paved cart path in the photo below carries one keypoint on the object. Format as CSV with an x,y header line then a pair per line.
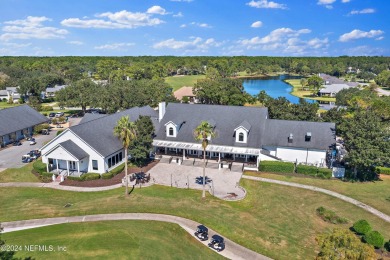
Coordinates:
x,y
328,192
232,250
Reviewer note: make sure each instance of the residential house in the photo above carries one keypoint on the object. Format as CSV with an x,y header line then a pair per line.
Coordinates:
x,y
185,93
10,92
91,145
18,122
51,92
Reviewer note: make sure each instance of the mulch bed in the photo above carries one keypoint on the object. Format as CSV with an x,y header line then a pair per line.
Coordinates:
x,y
114,180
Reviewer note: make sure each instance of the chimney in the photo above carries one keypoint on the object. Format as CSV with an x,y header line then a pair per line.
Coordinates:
x,y
161,111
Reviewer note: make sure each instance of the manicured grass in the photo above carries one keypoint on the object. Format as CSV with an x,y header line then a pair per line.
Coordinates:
x,y
296,84
112,240
274,220
375,194
177,82
6,105
18,174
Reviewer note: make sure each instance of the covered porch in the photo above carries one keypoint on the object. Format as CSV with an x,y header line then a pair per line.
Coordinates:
x,y
224,156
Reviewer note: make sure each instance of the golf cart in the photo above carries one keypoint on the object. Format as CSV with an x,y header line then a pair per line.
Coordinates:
x,y
35,154
27,158
32,141
217,243
45,131
202,233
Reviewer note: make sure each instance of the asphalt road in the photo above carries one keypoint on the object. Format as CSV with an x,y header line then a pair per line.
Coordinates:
x,y
11,157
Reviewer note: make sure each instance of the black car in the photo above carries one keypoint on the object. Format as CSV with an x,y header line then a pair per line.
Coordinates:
x,y
16,143
52,114
202,233
217,243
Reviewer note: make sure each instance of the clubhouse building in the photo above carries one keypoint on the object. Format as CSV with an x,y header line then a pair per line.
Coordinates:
x,y
244,135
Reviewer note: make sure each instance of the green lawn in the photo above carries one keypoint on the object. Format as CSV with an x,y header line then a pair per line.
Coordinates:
x,y
177,82
6,105
375,194
274,220
296,84
112,240
18,174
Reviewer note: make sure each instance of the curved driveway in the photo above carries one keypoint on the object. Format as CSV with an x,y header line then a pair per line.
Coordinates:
x,y
328,192
232,250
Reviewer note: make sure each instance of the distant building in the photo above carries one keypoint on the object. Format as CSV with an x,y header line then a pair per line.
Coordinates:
x,y
333,85
18,122
185,92
51,92
10,92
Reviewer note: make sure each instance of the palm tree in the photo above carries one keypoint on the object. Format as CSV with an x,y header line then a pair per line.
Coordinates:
x,y
204,132
126,131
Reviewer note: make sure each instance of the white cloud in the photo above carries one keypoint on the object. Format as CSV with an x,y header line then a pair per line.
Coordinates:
x,y
326,3
114,46
345,1
179,14
118,20
287,40
31,28
156,9
202,25
76,42
358,34
195,44
364,11
257,24
380,38
266,4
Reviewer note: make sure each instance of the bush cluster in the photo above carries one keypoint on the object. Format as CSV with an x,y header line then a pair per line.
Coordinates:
x,y
40,168
383,170
287,167
361,227
46,108
330,216
374,238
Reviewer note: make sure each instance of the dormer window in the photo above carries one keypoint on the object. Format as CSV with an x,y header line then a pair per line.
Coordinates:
x,y
171,129
241,137
242,131
308,137
290,138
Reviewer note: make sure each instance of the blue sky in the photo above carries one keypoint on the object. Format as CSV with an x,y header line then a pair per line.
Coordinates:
x,y
194,27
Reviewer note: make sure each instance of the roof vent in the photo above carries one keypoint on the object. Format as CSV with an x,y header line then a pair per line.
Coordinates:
x,y
290,138
308,137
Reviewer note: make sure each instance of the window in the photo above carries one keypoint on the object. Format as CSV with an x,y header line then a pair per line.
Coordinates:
x,y
170,131
117,158
95,165
290,138
308,137
109,163
120,156
241,137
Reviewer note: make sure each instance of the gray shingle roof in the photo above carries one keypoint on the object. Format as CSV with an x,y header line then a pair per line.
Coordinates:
x,y
99,135
334,88
245,124
55,88
3,93
18,118
226,118
89,117
74,149
278,131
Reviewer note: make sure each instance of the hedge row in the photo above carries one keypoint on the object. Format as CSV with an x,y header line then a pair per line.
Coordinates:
x,y
95,176
287,167
383,170
371,237
328,215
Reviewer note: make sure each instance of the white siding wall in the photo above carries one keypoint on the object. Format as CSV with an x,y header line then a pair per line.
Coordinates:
x,y
300,154
67,135
241,130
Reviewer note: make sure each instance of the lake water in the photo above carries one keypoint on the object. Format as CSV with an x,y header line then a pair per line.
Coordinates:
x,y
274,86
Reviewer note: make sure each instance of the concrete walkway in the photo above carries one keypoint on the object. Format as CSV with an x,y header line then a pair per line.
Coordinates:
x,y
328,192
57,186
232,250
383,92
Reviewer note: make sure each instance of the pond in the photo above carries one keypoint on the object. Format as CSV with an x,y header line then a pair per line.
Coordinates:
x,y
274,86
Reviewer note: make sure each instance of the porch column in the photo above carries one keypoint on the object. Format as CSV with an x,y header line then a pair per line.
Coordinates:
x,y
210,155
78,167
234,157
219,157
184,154
47,166
67,166
246,158
57,164
257,161
166,150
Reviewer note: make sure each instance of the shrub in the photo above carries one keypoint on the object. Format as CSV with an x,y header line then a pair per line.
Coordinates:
x,y
118,169
314,171
361,227
374,238
330,216
383,170
74,178
276,166
107,175
59,132
39,166
46,108
38,129
387,246
90,176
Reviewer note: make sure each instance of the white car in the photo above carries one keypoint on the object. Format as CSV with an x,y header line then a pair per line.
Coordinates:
x,y
32,142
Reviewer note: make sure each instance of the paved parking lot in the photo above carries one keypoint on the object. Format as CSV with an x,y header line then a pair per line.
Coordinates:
x,y
224,181
11,157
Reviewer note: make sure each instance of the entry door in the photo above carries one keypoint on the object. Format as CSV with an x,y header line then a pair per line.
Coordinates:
x,y
72,165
